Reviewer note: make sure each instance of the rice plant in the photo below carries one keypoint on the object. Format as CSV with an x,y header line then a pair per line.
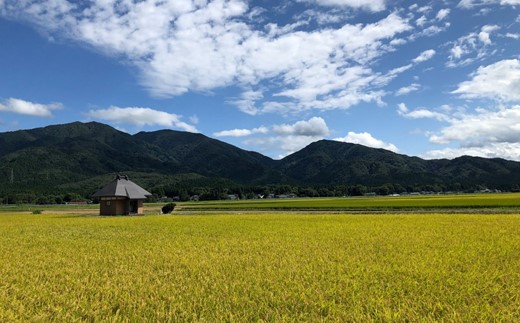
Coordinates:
x,y
260,267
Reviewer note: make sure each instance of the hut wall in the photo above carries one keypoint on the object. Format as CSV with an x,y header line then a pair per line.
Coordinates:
x,y
140,208
113,206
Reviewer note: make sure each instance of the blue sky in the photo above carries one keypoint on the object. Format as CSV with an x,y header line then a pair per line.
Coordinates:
x,y
434,79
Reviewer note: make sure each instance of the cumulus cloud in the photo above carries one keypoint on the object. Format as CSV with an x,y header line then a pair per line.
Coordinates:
x,y
468,4
485,126
430,24
442,14
282,139
471,47
366,139
140,117
247,101
29,108
281,146
484,133
180,46
424,56
321,17
241,132
485,33
408,89
373,5
500,81
505,150
421,21
326,69
313,127
194,119
492,131
421,113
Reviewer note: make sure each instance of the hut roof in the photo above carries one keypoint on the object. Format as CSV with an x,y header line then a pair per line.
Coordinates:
x,y
122,186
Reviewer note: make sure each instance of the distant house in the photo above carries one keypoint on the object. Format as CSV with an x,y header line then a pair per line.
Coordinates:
x,y
121,197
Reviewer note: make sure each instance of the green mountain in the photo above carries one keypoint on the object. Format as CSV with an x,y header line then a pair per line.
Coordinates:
x,y
58,156
81,157
65,153
335,162
327,161
209,157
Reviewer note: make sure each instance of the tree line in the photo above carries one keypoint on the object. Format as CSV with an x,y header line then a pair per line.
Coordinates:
x,y
222,190
184,193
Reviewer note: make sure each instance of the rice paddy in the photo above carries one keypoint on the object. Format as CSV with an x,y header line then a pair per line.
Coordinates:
x,y
260,267
379,203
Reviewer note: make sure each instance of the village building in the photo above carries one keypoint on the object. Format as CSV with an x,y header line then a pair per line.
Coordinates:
x,y
121,197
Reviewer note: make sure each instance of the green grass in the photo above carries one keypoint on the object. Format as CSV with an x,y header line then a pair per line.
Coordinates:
x,y
268,267
51,207
506,200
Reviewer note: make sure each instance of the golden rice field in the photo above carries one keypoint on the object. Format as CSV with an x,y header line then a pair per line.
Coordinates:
x,y
260,267
472,202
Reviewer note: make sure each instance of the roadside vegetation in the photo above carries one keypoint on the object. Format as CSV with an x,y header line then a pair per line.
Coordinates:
x,y
269,266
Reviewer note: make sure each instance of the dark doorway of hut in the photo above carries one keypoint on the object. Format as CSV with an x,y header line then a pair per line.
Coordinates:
x,y
133,206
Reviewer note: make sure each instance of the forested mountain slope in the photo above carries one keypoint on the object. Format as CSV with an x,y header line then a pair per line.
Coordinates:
x,y
61,156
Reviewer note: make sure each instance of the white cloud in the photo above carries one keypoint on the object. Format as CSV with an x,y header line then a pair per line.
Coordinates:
x,y
442,14
408,89
29,108
421,113
424,56
505,150
373,5
402,108
468,4
366,139
194,119
322,17
140,117
313,127
434,30
421,21
424,9
457,51
241,132
281,146
247,101
482,127
180,46
500,80
430,25
484,133
284,139
426,114
471,47
485,32
326,69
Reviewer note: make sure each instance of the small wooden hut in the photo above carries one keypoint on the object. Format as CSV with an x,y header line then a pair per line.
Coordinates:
x,y
121,197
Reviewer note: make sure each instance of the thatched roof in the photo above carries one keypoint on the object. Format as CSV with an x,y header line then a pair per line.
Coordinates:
x,y
122,186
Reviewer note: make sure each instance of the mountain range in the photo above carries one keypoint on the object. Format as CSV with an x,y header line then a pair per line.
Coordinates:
x,y
83,156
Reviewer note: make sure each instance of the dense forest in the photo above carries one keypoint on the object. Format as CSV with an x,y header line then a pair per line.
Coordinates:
x,y
67,163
